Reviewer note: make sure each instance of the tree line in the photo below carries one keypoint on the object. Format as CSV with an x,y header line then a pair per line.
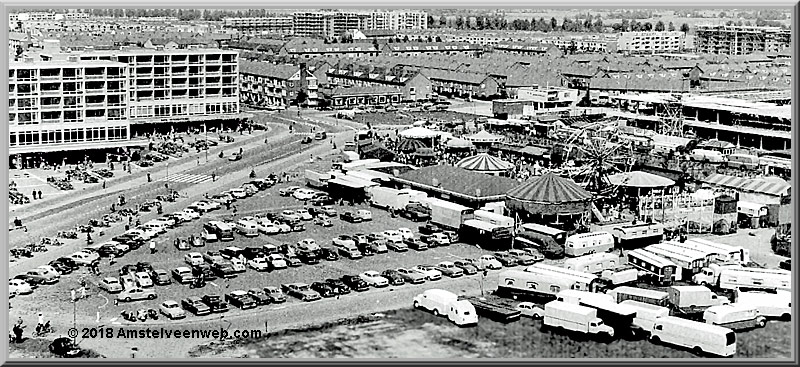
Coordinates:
x,y
587,24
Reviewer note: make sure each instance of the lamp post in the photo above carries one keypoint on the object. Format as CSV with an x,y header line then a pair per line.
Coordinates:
x,y
205,128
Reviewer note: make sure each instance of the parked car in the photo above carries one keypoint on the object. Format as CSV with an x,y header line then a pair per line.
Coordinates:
x,y
241,300
323,289
786,264
531,310
338,286
366,249
328,210
405,233
322,200
397,246
259,264
277,261
275,294
160,277
393,277
293,261
374,279
109,284
303,194
450,269
429,271
300,291
467,267
65,347
40,276
196,306
355,283
412,276
328,253
522,257
172,310
259,296
350,217
60,267
415,244
323,222
287,191
224,270
183,275
215,303
143,279
136,294
506,258
486,262
534,253
231,252
193,258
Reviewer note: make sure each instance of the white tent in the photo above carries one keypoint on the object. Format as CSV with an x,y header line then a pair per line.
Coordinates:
x,y
419,133
484,136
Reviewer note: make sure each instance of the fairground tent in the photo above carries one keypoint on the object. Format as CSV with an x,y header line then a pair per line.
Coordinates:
x,y
484,136
458,143
419,133
409,145
639,179
549,194
484,163
462,186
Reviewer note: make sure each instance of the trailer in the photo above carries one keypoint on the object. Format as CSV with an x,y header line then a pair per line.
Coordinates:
x,y
734,276
621,275
317,179
490,309
448,215
736,317
649,296
690,262
386,198
588,243
691,300
638,234
542,282
494,218
594,263
732,253
654,268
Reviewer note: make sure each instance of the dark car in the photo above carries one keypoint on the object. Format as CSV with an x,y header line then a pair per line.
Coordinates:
x,y
145,163
428,229
350,217
338,286
61,267
306,140
292,261
160,277
467,267
196,306
328,253
786,264
300,291
144,266
129,268
415,244
205,269
506,259
260,297
241,300
355,283
215,303
109,249
133,241
322,200
65,348
275,294
183,245
251,253
323,289
394,277
366,248
230,252
307,257
68,262
224,270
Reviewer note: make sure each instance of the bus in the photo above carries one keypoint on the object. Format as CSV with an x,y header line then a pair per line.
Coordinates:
x,y
733,253
700,258
222,230
543,282
657,269
588,243
556,234
638,234
485,234
688,265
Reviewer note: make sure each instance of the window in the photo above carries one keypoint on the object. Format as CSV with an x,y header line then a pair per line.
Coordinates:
x,y
12,140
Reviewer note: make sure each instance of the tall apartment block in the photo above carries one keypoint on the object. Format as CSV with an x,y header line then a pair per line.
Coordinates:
x,y
67,105
741,40
653,42
261,25
328,24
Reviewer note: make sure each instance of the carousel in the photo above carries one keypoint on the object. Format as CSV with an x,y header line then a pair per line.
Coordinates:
x,y
483,140
551,200
486,163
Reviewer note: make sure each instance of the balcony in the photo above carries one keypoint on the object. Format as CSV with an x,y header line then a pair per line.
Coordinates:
x,y
50,107
51,121
95,76
180,85
51,77
96,104
51,92
180,73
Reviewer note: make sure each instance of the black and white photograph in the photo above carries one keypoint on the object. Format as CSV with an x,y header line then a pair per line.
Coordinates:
x,y
387,182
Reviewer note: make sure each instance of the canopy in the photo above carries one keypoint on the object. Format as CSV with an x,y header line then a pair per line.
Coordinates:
x,y
484,136
484,163
639,179
459,143
425,152
549,194
419,132
409,145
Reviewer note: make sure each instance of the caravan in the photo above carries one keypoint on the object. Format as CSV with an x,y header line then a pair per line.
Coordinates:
x,y
594,263
588,243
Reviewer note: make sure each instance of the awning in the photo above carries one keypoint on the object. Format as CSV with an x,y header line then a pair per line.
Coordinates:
x,y
346,183
768,187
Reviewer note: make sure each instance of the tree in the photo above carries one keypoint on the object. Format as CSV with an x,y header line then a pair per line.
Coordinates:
x,y
431,21
647,27
479,22
460,22
405,38
685,28
442,21
553,23
438,39
626,25
659,26
598,25
671,27
430,39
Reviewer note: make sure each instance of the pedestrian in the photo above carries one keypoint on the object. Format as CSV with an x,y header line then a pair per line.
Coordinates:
x,y
227,205
198,159
213,177
152,247
149,179
116,302
41,321
111,259
104,186
72,294
83,292
34,194
234,210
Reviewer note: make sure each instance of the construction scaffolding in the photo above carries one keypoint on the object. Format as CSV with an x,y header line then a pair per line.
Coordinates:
x,y
671,123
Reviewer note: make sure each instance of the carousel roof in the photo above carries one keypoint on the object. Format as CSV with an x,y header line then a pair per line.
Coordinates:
x,y
409,145
484,163
459,143
639,179
484,136
419,132
549,189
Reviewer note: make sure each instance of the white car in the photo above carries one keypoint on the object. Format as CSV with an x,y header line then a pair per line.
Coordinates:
x,y
111,285
143,233
277,261
207,205
308,243
374,279
193,258
283,227
238,193
50,271
303,194
267,227
290,215
143,279
258,264
191,213
365,215
172,310
184,217
286,191
489,262
531,310
394,236
406,233
304,214
19,286
84,258
238,265
430,274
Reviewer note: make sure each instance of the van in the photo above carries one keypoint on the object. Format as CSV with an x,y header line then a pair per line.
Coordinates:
x,y
588,243
751,209
646,314
743,161
703,155
777,304
703,338
247,228
575,318
156,225
734,316
442,302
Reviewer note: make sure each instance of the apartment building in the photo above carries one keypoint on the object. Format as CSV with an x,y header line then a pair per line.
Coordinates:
x,y
261,25
313,24
178,85
653,42
331,24
591,44
275,86
67,105
741,40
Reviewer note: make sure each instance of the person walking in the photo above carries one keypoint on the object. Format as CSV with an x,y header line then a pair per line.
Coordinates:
x,y
104,186
40,194
152,247
34,194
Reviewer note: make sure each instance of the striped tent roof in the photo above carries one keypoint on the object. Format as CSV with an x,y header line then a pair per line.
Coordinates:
x,y
409,145
769,186
484,163
549,189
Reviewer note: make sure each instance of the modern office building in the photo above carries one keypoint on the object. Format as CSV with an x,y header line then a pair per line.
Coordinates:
x,y
741,40
653,42
261,25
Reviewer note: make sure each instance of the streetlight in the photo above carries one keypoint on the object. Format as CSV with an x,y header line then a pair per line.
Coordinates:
x,y
205,128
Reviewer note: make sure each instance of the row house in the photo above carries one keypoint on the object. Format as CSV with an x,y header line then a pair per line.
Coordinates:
x,y
276,86
308,50
454,83
528,49
431,48
414,86
352,97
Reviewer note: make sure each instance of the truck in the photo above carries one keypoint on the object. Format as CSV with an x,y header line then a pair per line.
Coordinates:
x,y
646,314
386,198
649,296
621,275
619,317
575,318
445,303
316,179
772,304
448,215
491,309
735,317
735,276
692,300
